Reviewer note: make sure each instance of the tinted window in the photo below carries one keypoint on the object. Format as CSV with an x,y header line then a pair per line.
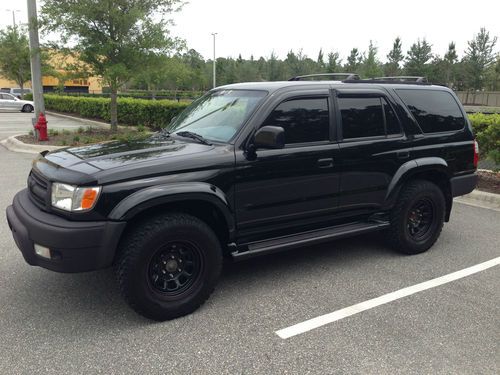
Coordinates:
x,y
435,111
391,120
361,117
304,120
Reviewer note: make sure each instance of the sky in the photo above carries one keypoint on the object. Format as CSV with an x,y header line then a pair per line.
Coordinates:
x,y
258,27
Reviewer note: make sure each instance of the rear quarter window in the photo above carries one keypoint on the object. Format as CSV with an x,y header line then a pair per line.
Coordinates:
x,y
435,111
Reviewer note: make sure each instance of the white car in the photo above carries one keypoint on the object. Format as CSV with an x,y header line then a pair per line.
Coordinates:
x,y
10,102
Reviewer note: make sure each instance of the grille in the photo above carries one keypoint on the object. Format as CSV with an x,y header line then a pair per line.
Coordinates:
x,y
38,188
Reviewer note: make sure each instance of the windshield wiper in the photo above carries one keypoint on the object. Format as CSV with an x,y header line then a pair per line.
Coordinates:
x,y
199,138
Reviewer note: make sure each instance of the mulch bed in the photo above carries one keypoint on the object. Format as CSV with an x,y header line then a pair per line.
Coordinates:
x,y
489,182
85,136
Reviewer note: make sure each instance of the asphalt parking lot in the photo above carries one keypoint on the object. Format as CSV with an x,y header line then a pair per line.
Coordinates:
x,y
78,323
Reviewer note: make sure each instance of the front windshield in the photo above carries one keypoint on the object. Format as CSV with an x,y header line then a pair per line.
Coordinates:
x,y
218,115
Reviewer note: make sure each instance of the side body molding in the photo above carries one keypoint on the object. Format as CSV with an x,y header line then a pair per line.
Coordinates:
x,y
174,192
410,168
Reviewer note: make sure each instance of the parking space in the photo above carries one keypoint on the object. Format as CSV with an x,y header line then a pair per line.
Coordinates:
x,y
77,323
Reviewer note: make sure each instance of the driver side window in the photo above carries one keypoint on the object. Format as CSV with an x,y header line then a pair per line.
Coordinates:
x,y
304,120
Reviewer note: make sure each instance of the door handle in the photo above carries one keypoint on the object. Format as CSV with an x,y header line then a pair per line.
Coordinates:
x,y
403,154
325,163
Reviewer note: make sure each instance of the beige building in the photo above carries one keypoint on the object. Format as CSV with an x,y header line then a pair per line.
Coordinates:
x,y
90,85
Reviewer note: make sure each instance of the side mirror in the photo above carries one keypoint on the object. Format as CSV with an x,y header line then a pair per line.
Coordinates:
x,y
269,137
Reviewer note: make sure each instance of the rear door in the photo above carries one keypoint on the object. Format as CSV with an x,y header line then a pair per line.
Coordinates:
x,y
372,148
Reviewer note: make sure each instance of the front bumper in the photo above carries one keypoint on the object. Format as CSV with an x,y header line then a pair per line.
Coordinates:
x,y
76,246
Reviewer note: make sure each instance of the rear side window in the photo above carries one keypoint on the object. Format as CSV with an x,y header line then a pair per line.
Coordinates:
x,y
304,120
435,111
367,117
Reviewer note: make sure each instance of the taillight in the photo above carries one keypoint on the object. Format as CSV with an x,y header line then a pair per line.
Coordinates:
x,y
476,153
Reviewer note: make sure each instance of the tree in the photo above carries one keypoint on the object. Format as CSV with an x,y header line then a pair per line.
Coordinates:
x,y
334,63
15,56
321,60
394,59
111,37
418,58
449,61
479,57
353,61
370,66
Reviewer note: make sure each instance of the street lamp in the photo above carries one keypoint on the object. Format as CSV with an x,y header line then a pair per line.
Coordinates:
x,y
214,34
14,11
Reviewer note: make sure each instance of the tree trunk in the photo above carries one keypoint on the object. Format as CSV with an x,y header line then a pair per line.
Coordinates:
x,y
114,109
21,86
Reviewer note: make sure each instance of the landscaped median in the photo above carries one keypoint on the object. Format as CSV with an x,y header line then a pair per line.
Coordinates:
x,y
155,114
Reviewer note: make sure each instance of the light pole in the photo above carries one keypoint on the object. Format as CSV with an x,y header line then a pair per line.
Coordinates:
x,y
36,70
214,34
14,11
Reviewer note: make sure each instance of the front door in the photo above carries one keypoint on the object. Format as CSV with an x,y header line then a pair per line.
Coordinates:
x,y
298,185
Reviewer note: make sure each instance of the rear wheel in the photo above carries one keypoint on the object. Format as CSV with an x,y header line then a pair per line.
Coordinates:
x,y
168,266
417,218
27,108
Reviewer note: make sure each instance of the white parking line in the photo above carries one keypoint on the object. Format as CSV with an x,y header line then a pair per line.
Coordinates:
x,y
322,320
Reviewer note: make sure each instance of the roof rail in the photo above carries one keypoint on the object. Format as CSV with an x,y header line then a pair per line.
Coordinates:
x,y
402,79
340,76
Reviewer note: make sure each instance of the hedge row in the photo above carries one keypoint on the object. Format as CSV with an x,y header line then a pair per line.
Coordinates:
x,y
487,132
155,114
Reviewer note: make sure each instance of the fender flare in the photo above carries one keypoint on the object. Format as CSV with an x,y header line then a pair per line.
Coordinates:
x,y
411,168
173,192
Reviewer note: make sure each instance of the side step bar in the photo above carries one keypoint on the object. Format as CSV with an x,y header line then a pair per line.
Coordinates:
x,y
275,245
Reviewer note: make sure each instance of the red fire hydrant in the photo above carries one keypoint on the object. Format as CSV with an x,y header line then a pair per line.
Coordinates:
x,y
41,128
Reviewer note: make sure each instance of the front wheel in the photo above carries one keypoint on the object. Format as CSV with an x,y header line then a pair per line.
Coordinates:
x,y
27,108
417,218
169,266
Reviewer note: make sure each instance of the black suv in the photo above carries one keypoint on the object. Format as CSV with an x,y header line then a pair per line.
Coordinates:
x,y
249,169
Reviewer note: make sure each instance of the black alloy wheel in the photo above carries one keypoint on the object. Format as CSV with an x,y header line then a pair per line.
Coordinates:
x,y
175,267
420,219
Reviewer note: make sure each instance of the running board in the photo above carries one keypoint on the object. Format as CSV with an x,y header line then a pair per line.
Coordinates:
x,y
275,245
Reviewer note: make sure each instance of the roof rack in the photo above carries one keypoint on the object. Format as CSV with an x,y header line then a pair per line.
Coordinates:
x,y
402,79
340,76
406,80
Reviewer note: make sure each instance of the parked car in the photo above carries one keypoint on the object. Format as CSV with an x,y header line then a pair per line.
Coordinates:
x,y
10,102
16,91
246,170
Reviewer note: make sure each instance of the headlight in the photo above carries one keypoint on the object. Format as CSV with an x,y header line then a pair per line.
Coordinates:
x,y
72,198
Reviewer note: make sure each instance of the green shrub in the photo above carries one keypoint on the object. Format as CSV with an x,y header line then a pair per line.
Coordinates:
x,y
155,114
487,131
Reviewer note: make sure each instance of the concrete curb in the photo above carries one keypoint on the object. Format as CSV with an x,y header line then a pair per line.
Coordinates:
x,y
481,199
15,145
82,120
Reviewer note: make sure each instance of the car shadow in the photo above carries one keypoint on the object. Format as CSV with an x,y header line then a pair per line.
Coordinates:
x,y
93,298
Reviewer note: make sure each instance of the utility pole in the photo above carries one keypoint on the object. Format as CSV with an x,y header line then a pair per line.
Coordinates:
x,y
36,67
214,34
13,16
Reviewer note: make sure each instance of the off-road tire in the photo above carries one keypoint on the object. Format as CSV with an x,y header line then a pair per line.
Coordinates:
x,y
137,251
398,234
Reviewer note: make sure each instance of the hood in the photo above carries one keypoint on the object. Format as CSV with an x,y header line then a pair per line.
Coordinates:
x,y
103,156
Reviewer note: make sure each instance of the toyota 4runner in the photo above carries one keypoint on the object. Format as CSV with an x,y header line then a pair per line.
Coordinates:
x,y
249,169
